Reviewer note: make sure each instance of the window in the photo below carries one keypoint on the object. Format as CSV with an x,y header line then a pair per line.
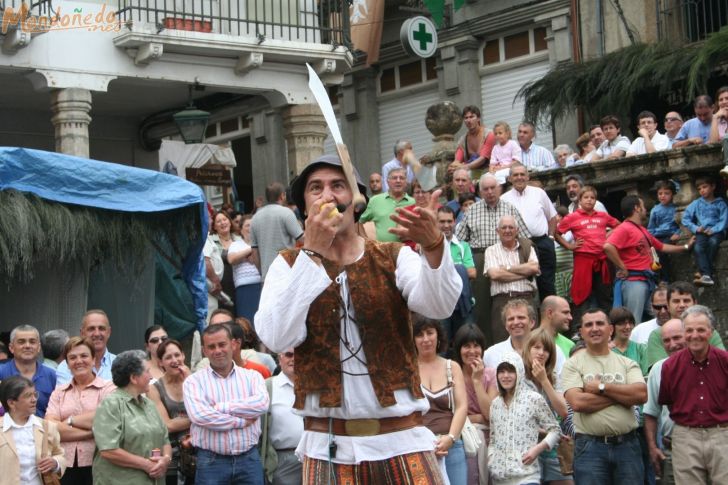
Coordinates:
x,y
229,125
387,81
539,39
408,74
333,95
491,52
514,46
430,72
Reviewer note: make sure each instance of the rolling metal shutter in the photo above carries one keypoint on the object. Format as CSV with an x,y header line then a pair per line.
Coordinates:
x,y
499,90
403,117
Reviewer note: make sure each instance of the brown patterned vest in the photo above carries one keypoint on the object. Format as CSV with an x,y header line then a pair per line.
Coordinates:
x,y
384,325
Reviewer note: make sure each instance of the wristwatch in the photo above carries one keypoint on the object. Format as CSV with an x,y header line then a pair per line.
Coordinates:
x,y
602,387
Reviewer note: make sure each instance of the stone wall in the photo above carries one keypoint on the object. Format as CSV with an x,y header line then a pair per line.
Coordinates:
x,y
637,175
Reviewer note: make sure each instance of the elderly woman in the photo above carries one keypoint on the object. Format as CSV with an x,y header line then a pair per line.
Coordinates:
x,y
131,439
166,394
153,337
24,456
564,156
73,407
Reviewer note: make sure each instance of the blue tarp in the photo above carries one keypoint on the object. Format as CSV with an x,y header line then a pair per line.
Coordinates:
x,y
80,181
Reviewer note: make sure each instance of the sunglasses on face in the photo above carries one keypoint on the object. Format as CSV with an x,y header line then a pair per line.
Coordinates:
x,y
671,119
659,308
155,340
288,355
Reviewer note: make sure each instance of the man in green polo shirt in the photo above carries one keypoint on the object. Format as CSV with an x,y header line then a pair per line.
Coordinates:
x,y
460,250
462,258
382,206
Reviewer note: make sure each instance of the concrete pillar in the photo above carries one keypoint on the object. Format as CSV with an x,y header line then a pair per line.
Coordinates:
x,y
267,150
459,71
71,107
305,131
359,114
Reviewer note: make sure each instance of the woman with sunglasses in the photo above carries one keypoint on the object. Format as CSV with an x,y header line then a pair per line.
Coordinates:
x,y
153,337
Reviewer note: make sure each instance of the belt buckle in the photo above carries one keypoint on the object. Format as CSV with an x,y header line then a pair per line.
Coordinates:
x,y
362,427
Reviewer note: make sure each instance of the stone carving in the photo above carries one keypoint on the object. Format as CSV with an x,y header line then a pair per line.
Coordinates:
x,y
443,120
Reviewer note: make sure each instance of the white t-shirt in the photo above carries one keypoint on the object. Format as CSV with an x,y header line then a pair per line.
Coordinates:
x,y
244,273
607,148
659,141
641,333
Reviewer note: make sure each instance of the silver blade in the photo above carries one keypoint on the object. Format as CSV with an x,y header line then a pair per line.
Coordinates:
x,y
322,98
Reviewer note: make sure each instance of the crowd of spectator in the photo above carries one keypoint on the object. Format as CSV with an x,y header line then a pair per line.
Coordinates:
x,y
569,353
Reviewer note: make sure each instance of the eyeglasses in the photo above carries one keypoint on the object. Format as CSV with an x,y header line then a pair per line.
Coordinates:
x,y
660,308
156,340
288,355
667,120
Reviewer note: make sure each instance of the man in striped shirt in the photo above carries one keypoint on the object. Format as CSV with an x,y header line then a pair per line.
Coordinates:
x,y
534,157
511,276
224,403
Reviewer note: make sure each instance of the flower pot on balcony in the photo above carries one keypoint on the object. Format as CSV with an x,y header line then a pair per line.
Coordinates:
x,y
203,26
178,23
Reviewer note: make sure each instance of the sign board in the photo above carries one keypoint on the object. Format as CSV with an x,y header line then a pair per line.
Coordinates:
x,y
211,174
419,36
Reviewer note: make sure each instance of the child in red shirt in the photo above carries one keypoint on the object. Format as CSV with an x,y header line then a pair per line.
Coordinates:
x,y
591,271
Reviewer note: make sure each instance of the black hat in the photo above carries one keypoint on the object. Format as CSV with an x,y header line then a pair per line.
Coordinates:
x,y
298,184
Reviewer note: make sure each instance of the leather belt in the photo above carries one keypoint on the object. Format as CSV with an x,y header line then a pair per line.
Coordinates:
x,y
608,440
514,294
362,427
477,250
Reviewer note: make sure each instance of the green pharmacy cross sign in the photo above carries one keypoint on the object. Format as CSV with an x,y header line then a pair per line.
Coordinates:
x,y
419,36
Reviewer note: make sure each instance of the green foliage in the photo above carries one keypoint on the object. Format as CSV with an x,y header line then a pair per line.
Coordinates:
x,y
39,233
612,83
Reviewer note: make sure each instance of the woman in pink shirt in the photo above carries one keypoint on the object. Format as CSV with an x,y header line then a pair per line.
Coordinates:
x,y
73,407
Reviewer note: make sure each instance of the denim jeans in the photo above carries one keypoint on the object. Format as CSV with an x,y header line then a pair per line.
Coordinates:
x,y
456,465
705,249
597,463
635,296
214,469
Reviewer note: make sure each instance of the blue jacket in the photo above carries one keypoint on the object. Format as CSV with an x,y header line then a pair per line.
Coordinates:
x,y
662,221
708,215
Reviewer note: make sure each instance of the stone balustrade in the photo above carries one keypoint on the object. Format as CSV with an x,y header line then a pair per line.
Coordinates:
x,y
637,175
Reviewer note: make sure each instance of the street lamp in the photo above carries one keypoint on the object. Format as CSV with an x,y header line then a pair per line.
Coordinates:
x,y
191,122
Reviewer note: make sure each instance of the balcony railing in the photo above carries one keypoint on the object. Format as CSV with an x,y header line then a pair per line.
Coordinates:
x,y
40,10
310,21
690,20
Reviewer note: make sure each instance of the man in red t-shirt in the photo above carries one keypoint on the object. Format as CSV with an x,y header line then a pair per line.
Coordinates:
x,y
628,247
592,275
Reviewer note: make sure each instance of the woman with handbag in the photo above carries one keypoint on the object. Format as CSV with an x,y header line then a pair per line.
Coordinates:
x,y
72,407
443,384
166,393
132,443
539,359
24,437
481,388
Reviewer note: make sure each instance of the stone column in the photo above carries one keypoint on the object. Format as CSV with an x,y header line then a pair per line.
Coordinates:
x,y
305,131
71,107
459,71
